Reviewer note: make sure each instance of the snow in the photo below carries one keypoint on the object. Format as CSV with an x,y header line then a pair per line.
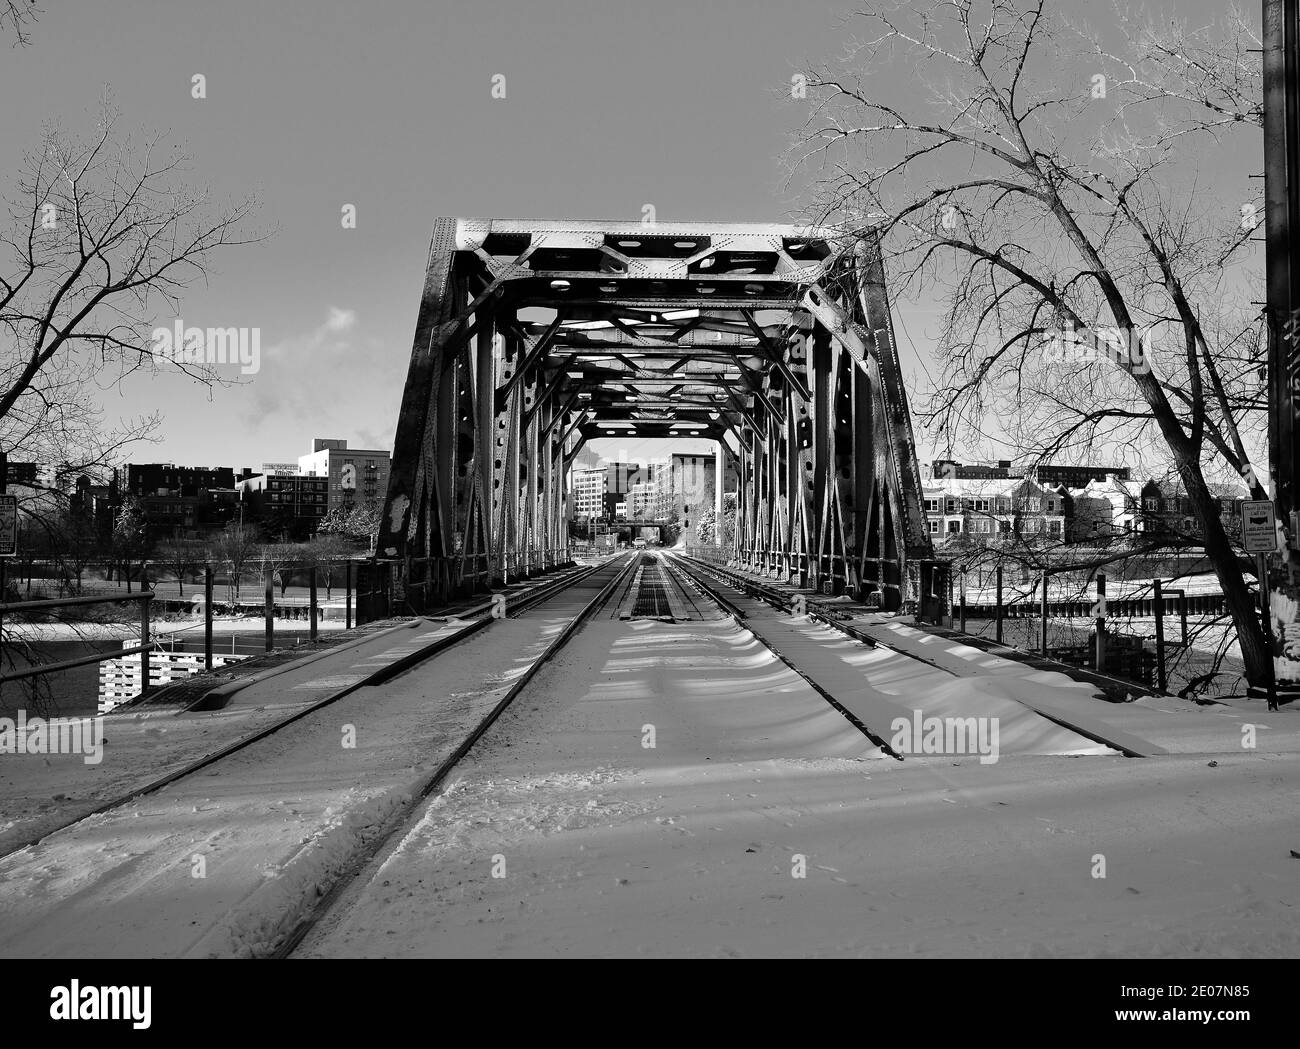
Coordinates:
x,y
609,849
272,824
564,833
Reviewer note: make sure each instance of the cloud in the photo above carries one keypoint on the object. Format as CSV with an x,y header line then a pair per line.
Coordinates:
x,y
316,378
340,320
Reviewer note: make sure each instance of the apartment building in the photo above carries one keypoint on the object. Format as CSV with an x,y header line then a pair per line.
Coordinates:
x,y
984,508
294,501
598,490
683,487
356,476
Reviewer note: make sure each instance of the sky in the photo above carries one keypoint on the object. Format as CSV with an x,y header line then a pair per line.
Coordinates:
x,y
388,106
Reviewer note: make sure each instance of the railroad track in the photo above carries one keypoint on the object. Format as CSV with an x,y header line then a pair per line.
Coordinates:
x,y
695,570
711,593
477,616
401,819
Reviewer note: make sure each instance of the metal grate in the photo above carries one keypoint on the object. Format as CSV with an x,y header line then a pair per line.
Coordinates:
x,y
652,595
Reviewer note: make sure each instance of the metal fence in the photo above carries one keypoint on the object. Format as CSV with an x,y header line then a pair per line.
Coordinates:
x,y
1141,631
365,581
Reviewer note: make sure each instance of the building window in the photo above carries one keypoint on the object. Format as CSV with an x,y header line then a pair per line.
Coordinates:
x,y
934,527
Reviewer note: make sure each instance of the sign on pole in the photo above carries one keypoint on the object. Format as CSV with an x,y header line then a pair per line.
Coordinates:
x,y
8,525
1258,527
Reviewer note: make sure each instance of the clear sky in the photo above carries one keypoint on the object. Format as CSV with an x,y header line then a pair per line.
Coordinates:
x,y
387,105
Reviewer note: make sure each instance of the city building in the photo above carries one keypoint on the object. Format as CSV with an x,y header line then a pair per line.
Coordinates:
x,y
942,469
641,502
150,479
1105,508
684,487
182,502
357,476
96,504
598,490
984,508
1166,507
293,503
1075,476
588,488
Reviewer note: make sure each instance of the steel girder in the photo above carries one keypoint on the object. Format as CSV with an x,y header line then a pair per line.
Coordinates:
x,y
535,337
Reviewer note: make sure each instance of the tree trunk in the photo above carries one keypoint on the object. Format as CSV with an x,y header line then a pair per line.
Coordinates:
x,y
1256,650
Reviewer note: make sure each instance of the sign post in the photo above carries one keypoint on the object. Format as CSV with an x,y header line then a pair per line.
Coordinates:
x,y
1258,526
8,530
8,525
1259,537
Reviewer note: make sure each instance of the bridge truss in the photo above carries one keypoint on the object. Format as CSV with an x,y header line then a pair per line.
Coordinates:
x,y
534,337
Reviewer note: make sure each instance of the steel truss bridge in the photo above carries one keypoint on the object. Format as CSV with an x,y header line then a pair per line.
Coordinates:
x,y
534,337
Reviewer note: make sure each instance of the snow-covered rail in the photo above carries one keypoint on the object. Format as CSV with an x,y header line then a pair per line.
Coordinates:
x,y
805,655
606,580
399,656
240,861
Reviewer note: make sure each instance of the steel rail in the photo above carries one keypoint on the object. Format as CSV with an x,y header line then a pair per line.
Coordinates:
x,y
402,816
378,676
772,597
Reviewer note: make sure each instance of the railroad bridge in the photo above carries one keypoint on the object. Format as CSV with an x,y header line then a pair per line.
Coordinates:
x,y
775,341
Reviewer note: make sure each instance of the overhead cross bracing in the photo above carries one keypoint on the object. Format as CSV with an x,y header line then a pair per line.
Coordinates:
x,y
534,337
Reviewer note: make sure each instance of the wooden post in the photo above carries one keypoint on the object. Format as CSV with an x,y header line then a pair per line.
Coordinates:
x,y
962,585
144,640
347,583
207,617
1099,653
997,612
270,610
1161,680
311,589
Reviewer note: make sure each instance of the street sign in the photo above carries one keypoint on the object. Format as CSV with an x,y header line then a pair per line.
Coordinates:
x,y
1258,528
8,525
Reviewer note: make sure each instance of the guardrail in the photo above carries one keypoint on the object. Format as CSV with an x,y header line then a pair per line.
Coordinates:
x,y
144,598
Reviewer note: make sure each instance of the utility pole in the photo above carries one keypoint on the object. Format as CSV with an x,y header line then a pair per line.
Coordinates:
x,y
1281,67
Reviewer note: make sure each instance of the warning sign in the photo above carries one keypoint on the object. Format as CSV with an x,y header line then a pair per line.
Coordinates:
x,y
8,525
1258,527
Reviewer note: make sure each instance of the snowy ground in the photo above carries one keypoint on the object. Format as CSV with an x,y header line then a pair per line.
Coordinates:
x,y
760,821
223,862
605,848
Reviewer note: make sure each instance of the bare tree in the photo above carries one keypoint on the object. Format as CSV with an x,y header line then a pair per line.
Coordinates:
x,y
1046,182
277,558
16,20
101,233
325,554
183,557
234,547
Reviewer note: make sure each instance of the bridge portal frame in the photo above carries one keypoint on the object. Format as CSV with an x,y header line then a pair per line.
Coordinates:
x,y
534,337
